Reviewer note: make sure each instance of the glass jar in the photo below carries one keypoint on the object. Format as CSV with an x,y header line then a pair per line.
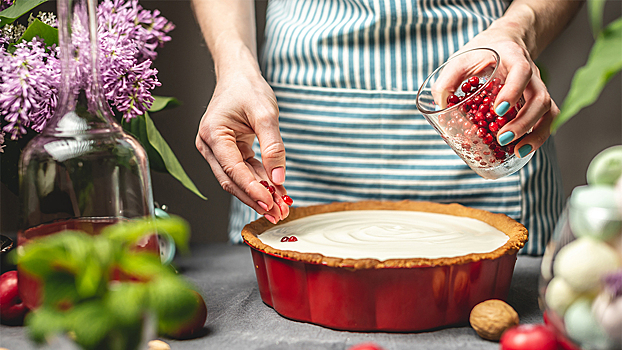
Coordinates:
x,y
581,278
457,99
82,171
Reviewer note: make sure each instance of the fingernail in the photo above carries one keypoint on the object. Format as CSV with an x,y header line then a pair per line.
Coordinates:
x,y
502,108
270,218
263,205
524,150
278,175
506,138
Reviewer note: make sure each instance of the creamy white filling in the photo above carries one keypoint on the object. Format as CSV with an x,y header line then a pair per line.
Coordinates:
x,y
386,234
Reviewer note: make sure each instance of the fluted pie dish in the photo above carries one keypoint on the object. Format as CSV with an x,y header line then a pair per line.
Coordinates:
x,y
384,266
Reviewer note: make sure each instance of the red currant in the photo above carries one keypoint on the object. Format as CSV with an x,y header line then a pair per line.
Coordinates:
x,y
292,239
453,99
466,87
474,81
494,127
284,239
287,199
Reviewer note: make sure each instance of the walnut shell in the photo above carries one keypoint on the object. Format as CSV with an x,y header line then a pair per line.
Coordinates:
x,y
491,318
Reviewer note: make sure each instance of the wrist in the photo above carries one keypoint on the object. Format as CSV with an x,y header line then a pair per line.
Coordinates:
x,y
519,22
234,57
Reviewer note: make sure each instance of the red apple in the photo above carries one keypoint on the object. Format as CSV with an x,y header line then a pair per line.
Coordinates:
x,y
12,309
193,326
529,337
366,346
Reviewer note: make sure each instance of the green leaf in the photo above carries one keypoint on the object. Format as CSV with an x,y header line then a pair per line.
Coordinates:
x,y
138,128
19,8
90,322
132,231
126,301
44,322
170,161
604,62
39,29
595,10
173,300
59,290
162,102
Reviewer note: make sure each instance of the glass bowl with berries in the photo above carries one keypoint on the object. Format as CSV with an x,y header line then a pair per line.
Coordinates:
x,y
457,99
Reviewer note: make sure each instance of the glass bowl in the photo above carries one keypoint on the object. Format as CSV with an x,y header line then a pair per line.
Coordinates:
x,y
457,99
581,280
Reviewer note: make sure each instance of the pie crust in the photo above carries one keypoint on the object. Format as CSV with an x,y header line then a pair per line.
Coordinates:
x,y
516,232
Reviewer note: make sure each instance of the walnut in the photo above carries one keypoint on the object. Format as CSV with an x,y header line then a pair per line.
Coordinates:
x,y
158,345
491,318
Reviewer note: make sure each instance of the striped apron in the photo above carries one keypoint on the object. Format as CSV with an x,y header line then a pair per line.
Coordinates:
x,y
345,74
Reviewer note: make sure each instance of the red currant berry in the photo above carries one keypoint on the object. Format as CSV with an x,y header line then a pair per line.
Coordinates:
x,y
482,124
287,199
474,81
264,183
487,139
453,99
486,100
284,239
466,87
482,132
292,239
501,121
450,105
493,127
477,100
500,155
496,81
490,117
488,86
494,90
271,189
483,108
479,116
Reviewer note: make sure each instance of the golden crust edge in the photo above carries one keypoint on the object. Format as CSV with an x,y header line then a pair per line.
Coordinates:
x,y
516,232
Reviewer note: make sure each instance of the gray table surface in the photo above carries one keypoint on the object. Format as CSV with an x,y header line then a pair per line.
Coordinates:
x,y
238,319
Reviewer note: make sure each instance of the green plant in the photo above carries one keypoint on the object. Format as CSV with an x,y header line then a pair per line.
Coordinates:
x,y
604,62
84,295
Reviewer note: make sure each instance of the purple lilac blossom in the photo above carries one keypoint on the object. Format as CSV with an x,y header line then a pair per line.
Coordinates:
x,y
128,37
29,86
5,3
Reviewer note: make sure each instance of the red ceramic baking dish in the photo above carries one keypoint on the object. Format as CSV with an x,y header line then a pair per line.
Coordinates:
x,y
397,295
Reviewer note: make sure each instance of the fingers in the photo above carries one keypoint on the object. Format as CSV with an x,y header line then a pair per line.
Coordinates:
x,y
534,118
266,128
518,78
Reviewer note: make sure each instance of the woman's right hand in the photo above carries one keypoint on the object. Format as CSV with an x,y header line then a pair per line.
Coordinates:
x,y
244,106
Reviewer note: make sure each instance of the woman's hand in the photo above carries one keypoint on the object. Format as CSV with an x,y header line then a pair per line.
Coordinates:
x,y
244,106
522,78
523,32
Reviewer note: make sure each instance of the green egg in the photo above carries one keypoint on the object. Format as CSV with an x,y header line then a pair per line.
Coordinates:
x,y
606,167
593,212
583,328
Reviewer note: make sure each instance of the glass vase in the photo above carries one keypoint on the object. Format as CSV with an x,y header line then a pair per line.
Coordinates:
x,y
581,281
82,171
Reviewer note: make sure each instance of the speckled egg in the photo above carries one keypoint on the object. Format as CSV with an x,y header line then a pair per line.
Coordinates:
x,y
607,311
583,262
593,211
559,295
583,328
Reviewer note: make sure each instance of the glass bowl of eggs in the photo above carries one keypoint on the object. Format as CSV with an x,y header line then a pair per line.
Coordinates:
x,y
581,277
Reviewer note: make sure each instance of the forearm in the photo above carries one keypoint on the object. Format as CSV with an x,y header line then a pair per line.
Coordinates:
x,y
228,27
538,22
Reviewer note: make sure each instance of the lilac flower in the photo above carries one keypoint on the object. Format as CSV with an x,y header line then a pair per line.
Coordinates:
x,y
5,3
126,83
147,29
128,36
30,79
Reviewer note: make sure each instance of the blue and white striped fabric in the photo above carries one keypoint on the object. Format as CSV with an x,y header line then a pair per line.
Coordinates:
x,y
345,74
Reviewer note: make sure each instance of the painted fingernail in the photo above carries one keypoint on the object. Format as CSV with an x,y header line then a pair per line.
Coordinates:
x,y
506,138
263,205
524,150
278,175
270,218
502,108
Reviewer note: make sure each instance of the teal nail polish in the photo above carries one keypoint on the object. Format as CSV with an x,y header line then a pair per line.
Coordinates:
x,y
506,138
524,150
502,108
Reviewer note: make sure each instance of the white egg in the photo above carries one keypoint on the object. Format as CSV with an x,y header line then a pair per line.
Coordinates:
x,y
559,295
583,262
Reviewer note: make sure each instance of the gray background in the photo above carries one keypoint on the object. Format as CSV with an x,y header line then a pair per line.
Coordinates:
x,y
186,72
